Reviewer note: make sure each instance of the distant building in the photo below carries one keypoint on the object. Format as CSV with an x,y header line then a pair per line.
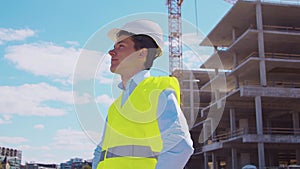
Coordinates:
x,y
34,165
75,163
12,157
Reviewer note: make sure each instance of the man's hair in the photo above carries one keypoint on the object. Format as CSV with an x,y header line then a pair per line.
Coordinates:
x,y
143,41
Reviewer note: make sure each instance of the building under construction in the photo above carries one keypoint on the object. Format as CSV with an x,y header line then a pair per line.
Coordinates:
x,y
249,107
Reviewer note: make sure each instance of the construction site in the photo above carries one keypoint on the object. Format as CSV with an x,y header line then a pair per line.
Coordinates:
x,y
246,112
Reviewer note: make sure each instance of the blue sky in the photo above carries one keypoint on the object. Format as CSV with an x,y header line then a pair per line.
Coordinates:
x,y
41,43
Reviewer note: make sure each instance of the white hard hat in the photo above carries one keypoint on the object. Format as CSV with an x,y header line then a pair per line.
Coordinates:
x,y
143,26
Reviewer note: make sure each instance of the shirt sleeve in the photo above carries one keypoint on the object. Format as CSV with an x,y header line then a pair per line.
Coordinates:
x,y
98,149
177,142
97,154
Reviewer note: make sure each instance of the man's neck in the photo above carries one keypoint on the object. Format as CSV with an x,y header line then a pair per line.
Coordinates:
x,y
128,75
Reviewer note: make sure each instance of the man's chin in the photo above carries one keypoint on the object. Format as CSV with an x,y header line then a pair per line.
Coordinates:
x,y
114,70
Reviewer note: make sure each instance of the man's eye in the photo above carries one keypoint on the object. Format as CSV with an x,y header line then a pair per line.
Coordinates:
x,y
121,46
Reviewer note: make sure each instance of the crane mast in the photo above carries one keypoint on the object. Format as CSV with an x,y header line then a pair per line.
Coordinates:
x,y
175,42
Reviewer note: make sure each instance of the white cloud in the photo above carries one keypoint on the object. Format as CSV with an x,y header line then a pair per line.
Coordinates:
x,y
105,100
68,139
14,34
12,140
84,98
32,153
104,76
24,147
72,43
192,38
29,99
193,60
39,126
6,119
67,143
45,59
93,65
28,147
188,39
60,63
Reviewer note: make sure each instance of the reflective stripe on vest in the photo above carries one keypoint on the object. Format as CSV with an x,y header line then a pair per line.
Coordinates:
x,y
129,151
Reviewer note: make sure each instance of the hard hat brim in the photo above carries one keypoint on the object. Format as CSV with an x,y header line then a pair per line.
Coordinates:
x,y
112,34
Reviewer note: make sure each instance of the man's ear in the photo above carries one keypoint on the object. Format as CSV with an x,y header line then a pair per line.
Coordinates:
x,y
143,52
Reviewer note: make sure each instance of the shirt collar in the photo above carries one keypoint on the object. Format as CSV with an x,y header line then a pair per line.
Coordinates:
x,y
137,78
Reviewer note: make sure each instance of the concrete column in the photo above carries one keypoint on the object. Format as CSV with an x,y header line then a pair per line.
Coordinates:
x,y
214,160
232,120
234,160
235,64
192,105
261,155
259,129
261,47
216,71
295,116
236,82
233,34
205,133
205,160
218,95
259,117
212,127
235,60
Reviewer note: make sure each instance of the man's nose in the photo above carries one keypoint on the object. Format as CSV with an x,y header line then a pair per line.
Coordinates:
x,y
112,52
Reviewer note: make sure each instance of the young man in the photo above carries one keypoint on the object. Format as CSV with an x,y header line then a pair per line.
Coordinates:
x,y
145,127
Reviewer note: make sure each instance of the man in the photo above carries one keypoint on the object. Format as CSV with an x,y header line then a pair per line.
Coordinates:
x,y
145,127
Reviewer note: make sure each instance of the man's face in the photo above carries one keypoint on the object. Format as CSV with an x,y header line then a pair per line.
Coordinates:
x,y
122,56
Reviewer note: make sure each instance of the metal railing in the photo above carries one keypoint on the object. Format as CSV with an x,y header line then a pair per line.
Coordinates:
x,y
284,2
272,55
281,131
281,28
289,84
282,56
245,131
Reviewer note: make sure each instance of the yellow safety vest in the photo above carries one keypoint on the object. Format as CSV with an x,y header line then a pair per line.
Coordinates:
x,y
132,137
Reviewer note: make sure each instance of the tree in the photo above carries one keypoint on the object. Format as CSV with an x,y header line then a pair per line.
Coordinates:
x,y
86,167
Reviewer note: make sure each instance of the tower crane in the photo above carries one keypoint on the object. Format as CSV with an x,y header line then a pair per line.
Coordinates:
x,y
175,42
175,47
175,35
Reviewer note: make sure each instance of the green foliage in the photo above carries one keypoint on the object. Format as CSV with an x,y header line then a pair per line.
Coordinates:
x,y
86,167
